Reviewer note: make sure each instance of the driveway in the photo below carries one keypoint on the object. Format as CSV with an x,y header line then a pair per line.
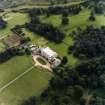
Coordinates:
x,y
37,63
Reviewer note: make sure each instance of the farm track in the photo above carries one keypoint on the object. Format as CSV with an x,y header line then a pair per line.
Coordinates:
x,y
17,78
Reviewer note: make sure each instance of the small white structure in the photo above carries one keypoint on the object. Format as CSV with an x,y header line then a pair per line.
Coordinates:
x,y
48,53
34,49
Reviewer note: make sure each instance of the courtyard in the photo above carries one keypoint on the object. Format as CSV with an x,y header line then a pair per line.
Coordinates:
x,y
41,62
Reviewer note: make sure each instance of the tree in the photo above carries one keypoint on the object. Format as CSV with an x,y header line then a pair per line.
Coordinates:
x,y
82,101
2,23
65,1
65,100
27,51
65,20
46,30
30,101
92,16
89,43
51,2
64,60
25,40
78,91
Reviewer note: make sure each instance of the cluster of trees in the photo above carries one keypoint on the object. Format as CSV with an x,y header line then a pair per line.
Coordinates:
x,y
46,30
71,83
97,100
52,2
60,10
18,31
2,10
65,19
99,8
74,9
2,23
97,5
30,101
9,53
92,16
88,43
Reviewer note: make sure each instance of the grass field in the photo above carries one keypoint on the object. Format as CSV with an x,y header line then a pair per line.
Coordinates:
x,y
40,60
13,19
12,68
33,83
36,81
80,20
2,47
46,4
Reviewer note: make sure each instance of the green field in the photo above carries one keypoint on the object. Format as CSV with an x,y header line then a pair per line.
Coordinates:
x,y
2,47
46,4
12,20
12,68
33,83
80,20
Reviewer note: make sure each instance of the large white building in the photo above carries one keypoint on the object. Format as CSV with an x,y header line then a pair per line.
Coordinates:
x,y
47,53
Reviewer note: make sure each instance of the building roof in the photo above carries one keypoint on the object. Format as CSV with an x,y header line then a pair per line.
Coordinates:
x,y
49,52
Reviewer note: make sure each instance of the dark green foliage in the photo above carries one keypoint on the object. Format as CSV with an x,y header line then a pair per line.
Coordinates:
x,y
89,43
18,30
30,101
2,23
78,91
71,83
25,40
72,9
46,30
27,51
9,53
65,20
92,16
99,8
64,60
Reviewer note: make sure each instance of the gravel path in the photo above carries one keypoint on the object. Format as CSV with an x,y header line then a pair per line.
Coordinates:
x,y
47,66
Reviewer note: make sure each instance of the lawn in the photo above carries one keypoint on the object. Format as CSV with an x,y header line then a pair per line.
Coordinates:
x,y
80,20
36,39
75,21
42,61
13,67
2,47
46,4
33,83
13,19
